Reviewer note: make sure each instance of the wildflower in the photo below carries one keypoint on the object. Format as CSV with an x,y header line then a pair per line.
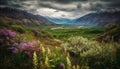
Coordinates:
x,y
78,67
35,60
15,44
68,62
74,67
65,50
43,50
30,44
62,65
3,32
47,61
10,32
48,50
14,50
23,46
28,53
7,38
7,32
42,65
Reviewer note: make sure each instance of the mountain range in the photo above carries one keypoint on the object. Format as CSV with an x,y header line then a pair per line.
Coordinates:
x,y
99,19
96,19
16,16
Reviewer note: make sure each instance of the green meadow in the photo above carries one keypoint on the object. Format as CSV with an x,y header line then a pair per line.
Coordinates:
x,y
65,33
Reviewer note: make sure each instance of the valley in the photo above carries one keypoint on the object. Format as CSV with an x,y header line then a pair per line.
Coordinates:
x,y
63,33
37,42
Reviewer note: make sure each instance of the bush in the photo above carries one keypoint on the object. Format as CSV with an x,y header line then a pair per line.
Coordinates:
x,y
91,53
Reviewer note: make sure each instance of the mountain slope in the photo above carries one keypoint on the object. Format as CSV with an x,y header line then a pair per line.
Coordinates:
x,y
111,34
60,20
99,19
15,16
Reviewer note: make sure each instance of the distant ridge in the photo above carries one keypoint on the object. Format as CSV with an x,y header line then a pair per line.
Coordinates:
x,y
101,19
16,16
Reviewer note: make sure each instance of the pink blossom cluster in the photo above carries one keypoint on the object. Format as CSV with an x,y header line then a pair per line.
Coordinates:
x,y
7,38
7,32
26,48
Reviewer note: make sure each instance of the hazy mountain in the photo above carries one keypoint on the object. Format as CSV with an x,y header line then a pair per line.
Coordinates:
x,y
60,20
15,16
99,19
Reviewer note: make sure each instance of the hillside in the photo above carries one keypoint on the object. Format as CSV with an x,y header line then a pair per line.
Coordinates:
x,y
99,19
16,16
111,34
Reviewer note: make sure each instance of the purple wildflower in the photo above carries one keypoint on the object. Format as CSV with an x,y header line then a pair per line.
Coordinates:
x,y
23,46
28,53
7,32
7,38
3,32
62,65
14,50
10,33
31,44
15,44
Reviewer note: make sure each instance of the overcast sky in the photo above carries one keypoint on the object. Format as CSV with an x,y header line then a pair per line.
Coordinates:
x,y
63,8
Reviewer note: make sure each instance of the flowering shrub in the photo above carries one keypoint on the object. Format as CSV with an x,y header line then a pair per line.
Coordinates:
x,y
10,41
6,37
7,33
26,48
91,54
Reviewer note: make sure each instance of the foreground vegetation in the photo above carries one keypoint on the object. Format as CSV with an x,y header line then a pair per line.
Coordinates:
x,y
32,48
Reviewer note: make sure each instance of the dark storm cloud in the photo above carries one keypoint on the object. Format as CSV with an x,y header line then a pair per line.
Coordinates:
x,y
67,7
73,6
64,1
90,4
11,3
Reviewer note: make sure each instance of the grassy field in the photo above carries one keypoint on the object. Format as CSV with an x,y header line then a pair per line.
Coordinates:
x,y
65,33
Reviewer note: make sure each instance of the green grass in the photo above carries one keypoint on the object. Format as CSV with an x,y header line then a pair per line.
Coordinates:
x,y
65,33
